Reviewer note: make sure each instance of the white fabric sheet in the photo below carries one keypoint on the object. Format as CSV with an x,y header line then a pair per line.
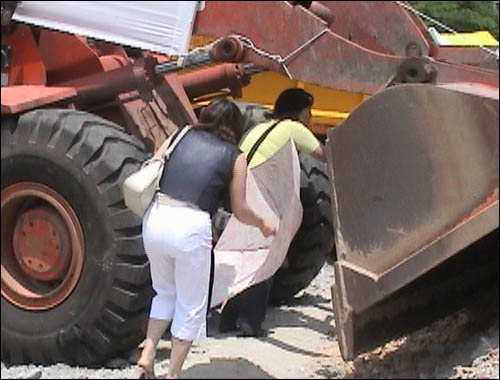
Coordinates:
x,y
243,257
160,26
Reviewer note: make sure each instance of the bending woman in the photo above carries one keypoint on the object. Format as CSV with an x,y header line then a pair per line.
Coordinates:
x,y
204,167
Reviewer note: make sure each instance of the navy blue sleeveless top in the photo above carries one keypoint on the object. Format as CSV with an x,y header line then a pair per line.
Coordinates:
x,y
200,170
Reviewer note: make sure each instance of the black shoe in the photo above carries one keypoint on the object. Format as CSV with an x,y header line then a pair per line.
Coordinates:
x,y
247,330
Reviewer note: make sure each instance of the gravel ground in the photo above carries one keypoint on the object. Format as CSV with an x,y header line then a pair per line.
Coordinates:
x,y
301,344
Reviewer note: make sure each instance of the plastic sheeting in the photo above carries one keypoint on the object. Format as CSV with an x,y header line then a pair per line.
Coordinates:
x,y
243,257
160,26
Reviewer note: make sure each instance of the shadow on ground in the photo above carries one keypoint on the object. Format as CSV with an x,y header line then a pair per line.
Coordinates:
x,y
221,368
285,316
288,316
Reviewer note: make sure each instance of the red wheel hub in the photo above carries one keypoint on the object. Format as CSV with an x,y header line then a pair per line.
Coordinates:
x,y
43,249
41,244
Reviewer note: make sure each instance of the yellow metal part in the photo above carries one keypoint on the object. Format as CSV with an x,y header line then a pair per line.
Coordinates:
x,y
481,38
330,106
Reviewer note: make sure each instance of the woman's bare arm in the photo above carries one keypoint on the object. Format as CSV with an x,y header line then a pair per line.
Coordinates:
x,y
239,203
320,152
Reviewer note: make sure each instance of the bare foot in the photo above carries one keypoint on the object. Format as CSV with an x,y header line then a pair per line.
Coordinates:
x,y
147,368
145,373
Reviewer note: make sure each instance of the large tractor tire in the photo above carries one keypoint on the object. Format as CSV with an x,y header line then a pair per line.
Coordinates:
x,y
75,280
314,242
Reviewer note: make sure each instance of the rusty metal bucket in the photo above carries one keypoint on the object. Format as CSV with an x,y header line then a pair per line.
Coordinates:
x,y
414,181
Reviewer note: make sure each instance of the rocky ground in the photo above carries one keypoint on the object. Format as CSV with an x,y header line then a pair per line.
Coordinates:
x,y
301,344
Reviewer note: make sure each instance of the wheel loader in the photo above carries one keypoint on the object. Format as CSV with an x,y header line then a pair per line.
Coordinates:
x,y
407,204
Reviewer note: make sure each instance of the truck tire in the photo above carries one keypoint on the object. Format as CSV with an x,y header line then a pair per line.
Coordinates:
x,y
314,242
76,286
253,114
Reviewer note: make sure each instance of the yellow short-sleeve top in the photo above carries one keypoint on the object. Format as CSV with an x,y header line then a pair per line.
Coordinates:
x,y
304,139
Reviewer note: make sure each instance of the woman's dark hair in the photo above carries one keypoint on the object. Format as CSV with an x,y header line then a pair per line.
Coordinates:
x,y
291,102
223,118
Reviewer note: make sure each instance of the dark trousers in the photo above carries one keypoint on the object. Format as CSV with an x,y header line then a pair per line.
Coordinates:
x,y
249,305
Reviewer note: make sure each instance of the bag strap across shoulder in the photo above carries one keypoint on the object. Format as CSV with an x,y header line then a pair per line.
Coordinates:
x,y
178,138
260,140
168,153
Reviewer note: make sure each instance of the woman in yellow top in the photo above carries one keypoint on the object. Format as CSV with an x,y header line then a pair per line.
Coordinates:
x,y
292,111
291,115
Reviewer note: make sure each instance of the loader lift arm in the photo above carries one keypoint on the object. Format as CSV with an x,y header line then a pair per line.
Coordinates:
x,y
279,29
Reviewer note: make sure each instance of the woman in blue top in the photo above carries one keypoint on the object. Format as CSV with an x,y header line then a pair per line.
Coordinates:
x,y
205,166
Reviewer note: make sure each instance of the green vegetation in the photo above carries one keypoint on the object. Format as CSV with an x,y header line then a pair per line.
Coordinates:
x,y
463,16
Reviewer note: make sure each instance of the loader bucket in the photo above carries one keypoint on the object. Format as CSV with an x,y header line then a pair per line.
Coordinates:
x,y
414,181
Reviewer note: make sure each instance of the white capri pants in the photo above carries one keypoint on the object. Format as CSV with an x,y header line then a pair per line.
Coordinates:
x,y
178,243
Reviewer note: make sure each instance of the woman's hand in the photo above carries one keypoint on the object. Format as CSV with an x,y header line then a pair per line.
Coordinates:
x,y
267,228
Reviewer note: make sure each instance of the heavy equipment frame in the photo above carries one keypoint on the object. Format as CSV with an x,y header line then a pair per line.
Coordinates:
x,y
405,199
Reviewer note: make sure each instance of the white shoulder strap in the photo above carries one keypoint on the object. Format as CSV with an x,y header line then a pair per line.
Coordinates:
x,y
176,141
166,156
